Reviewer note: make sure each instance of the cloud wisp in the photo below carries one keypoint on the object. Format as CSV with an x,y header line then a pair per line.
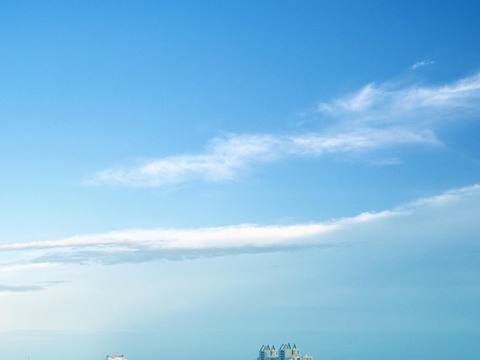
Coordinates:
x,y
20,288
411,107
226,157
422,63
140,245
375,117
28,288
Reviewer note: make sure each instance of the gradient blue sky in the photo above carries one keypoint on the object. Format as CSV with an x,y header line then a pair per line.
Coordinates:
x,y
186,177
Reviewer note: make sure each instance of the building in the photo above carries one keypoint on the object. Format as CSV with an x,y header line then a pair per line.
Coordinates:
x,y
116,357
285,352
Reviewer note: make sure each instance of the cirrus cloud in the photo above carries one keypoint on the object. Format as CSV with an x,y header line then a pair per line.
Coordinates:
x,y
373,118
226,157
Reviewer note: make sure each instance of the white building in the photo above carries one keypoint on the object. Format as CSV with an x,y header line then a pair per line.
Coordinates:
x,y
285,352
116,357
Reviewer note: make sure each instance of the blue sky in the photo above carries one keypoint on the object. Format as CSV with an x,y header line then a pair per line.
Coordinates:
x,y
192,177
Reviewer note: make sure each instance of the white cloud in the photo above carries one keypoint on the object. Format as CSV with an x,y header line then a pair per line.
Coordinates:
x,y
421,64
359,101
28,287
20,288
194,239
413,107
447,197
18,266
139,245
375,117
223,158
226,157
359,140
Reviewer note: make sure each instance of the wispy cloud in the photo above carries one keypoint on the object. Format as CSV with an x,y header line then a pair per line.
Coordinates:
x,y
20,288
140,245
226,157
221,160
447,197
229,237
421,64
15,266
375,117
411,107
28,288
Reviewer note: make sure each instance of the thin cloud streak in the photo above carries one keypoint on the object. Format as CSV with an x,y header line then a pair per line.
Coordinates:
x,y
226,157
385,104
447,197
421,64
140,245
23,266
29,288
20,288
195,239
375,117
223,158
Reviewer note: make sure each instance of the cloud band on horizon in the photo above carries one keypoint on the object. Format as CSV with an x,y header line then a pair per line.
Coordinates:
x,y
140,245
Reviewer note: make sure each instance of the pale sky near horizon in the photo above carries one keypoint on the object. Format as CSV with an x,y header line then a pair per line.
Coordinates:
x,y
182,178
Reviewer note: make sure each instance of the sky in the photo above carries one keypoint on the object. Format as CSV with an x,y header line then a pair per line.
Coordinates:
x,y
198,178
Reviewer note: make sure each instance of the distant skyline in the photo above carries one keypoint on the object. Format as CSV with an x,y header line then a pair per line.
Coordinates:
x,y
198,177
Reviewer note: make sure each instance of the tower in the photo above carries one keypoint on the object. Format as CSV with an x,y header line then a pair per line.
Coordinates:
x,y
273,353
